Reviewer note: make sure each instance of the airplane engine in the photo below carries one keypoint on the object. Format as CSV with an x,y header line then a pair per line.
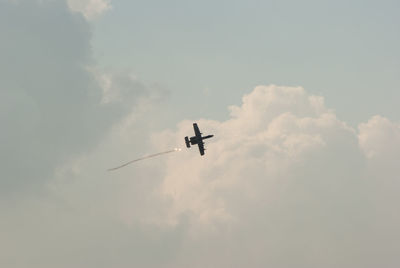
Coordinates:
x,y
187,141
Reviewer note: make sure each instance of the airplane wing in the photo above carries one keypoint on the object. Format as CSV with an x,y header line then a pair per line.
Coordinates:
x,y
196,130
201,148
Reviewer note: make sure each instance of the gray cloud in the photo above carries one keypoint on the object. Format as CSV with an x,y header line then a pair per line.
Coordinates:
x,y
51,103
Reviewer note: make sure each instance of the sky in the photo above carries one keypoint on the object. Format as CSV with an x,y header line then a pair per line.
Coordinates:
x,y
345,51
300,95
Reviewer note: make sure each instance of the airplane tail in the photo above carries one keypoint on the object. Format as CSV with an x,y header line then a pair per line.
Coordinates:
x,y
187,142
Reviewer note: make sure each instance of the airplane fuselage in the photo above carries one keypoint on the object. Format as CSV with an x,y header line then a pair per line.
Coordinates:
x,y
195,140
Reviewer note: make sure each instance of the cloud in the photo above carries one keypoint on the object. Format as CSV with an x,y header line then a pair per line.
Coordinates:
x,y
277,131
55,108
379,138
51,100
284,183
91,9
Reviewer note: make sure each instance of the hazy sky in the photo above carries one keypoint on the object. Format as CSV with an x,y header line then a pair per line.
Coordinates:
x,y
343,50
301,96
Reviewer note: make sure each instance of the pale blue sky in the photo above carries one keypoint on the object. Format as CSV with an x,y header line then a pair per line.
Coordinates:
x,y
209,53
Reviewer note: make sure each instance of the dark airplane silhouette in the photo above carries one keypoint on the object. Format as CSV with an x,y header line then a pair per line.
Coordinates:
x,y
198,139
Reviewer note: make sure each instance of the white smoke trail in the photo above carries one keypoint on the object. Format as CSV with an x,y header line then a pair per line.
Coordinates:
x,y
145,157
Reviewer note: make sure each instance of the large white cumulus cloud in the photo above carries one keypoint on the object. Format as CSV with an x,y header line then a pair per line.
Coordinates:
x,y
271,138
284,183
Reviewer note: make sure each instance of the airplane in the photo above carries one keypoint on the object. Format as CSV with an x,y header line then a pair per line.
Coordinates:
x,y
198,139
